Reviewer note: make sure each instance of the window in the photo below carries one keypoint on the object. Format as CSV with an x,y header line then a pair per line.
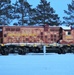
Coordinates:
x,y
51,39
30,36
41,33
51,29
7,29
54,29
27,39
51,35
68,32
38,36
45,36
54,36
54,39
5,35
17,29
42,37
12,29
46,29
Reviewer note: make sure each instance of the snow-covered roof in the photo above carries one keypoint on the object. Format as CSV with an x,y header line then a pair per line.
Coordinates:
x,y
66,27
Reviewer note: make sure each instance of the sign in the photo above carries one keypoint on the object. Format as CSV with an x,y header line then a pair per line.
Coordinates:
x,y
22,34
68,37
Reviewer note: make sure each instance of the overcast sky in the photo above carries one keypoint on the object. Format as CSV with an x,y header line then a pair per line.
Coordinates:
x,y
58,5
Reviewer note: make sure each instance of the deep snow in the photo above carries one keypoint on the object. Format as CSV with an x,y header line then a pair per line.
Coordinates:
x,y
50,64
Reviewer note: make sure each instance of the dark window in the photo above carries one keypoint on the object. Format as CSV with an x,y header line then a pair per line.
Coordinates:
x,y
69,32
0,34
1,40
27,39
51,39
46,29
54,39
51,36
34,40
38,36
54,36
7,29
30,36
23,40
51,29
45,36
17,29
12,29
41,33
5,35
42,37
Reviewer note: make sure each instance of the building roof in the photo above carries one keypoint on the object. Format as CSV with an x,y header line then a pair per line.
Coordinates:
x,y
65,27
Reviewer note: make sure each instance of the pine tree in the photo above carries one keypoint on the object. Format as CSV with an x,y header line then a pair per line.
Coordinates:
x,y
45,14
5,12
32,18
69,19
22,12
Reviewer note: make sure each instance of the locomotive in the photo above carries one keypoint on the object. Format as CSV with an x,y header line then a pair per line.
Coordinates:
x,y
26,39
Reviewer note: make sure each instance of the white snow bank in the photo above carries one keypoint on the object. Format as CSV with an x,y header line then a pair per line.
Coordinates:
x,y
52,64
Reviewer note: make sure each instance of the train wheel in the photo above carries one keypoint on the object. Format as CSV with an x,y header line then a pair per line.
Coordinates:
x,y
63,50
21,51
26,50
37,50
11,50
72,49
33,50
5,51
59,52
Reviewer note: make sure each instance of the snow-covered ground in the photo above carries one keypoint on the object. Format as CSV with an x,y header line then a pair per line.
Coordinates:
x,y
50,64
